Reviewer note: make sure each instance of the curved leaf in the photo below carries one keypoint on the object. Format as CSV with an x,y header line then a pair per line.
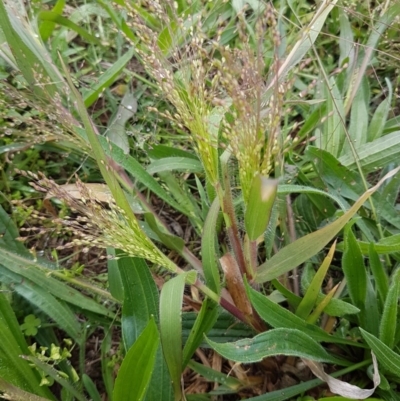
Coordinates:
x,y
304,248
389,359
290,342
280,317
171,327
137,367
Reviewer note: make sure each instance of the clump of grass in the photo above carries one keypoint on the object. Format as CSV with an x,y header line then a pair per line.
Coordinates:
x,y
231,101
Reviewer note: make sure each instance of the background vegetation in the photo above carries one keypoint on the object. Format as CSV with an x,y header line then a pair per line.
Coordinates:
x,y
199,200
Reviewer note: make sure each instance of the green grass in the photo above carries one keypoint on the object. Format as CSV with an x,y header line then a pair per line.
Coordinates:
x,y
179,173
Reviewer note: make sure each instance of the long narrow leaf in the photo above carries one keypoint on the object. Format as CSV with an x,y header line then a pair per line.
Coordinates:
x,y
302,249
208,248
107,78
354,270
309,35
379,273
52,372
171,327
389,359
280,317
137,367
139,305
311,295
204,322
55,17
290,342
31,57
13,369
388,325
42,299
39,274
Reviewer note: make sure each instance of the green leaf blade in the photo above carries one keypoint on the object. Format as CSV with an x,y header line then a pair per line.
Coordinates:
x,y
137,367
171,328
208,248
304,248
290,342
389,359
354,270
388,324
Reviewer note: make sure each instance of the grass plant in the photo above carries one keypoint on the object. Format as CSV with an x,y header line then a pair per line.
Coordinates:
x,y
236,166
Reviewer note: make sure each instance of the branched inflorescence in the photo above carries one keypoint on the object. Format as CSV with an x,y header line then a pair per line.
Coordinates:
x,y
99,225
216,90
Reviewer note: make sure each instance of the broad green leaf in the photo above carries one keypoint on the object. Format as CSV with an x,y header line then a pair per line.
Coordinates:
x,y
205,320
13,369
304,248
175,164
389,360
166,40
116,131
209,248
379,274
30,55
171,328
289,342
302,189
46,27
140,303
354,270
386,245
280,317
388,323
115,284
258,209
41,275
311,295
140,298
107,78
137,367
43,300
376,154
9,233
